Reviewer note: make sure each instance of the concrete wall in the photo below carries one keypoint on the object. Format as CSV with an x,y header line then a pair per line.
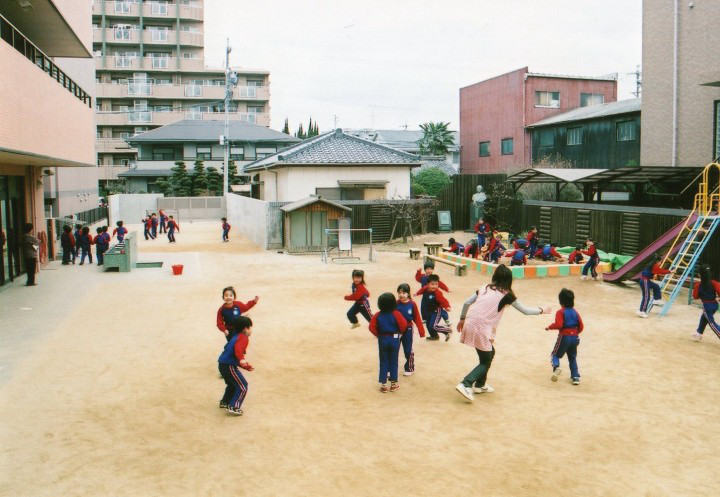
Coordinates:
x,y
132,207
249,217
193,208
698,57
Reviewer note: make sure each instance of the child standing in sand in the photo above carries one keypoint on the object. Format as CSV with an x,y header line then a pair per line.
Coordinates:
x,y
230,361
225,230
593,260
359,296
388,326
569,325
229,314
409,310
478,325
171,227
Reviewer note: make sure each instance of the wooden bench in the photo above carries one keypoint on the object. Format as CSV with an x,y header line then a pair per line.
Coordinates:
x,y
414,253
460,269
432,247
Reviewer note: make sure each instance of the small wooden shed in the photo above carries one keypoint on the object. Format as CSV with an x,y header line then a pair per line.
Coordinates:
x,y
305,222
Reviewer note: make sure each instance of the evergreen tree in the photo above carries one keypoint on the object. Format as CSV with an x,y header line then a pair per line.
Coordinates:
x,y
311,129
199,179
300,133
179,182
233,178
286,128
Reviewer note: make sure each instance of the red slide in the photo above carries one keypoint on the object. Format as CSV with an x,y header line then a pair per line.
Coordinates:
x,y
660,246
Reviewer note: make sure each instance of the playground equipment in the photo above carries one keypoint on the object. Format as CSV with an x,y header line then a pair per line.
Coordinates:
x,y
123,255
692,239
344,245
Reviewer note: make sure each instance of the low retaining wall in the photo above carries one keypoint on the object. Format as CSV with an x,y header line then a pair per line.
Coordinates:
x,y
131,207
529,271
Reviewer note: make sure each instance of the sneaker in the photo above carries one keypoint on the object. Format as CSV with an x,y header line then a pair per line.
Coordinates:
x,y
223,405
447,335
433,338
394,385
354,325
448,323
82,263
556,373
485,389
384,388
575,381
236,412
465,392
697,336
659,303
408,373
643,315
583,278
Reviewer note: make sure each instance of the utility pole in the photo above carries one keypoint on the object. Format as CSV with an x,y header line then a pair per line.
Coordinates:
x,y
230,81
638,81
335,121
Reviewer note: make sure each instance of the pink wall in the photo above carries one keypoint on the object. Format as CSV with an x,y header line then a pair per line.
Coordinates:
x,y
501,107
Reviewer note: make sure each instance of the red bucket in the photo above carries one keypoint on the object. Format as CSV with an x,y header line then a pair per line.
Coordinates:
x,y
177,269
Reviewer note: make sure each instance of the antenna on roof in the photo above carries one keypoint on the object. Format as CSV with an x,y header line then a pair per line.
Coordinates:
x,y
638,81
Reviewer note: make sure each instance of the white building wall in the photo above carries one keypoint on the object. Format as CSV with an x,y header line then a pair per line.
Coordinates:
x,y
249,217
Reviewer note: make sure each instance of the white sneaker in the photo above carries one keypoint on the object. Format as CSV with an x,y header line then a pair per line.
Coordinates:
x,y
697,336
408,373
642,314
485,389
659,303
354,325
465,392
556,373
583,278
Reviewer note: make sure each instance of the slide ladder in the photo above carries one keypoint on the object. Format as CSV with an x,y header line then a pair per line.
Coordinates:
x,y
704,221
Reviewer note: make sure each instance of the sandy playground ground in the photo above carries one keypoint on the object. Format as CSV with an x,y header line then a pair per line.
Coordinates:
x,y
119,395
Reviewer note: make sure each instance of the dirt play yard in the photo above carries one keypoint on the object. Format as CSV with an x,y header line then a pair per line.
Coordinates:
x,y
117,394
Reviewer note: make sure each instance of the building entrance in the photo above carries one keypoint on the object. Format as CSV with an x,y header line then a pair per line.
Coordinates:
x,y
12,219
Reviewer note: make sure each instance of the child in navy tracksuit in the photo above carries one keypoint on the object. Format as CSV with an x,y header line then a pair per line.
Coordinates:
x,y
421,278
481,229
77,234
455,247
226,229
230,312
409,310
100,246
547,252
67,242
388,326
708,291
576,256
593,260
163,221
435,305
496,249
359,296
650,289
120,231
518,257
570,325
230,361
532,241
154,222
171,227
85,241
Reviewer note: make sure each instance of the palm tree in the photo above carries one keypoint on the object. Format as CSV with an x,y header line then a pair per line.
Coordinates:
x,y
436,138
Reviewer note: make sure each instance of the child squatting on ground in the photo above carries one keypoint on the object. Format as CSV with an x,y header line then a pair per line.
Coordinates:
x,y
359,296
478,325
388,326
230,361
569,325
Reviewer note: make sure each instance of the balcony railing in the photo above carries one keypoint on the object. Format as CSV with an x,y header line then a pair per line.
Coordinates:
x,y
139,87
140,117
14,38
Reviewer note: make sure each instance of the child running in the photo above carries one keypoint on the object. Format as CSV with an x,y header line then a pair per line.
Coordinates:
x,y
650,289
478,325
569,325
436,305
120,231
147,223
429,268
708,291
388,326
226,229
230,312
229,364
171,227
593,259
360,296
409,310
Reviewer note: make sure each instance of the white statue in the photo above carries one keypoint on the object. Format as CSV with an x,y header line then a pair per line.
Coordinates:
x,y
478,204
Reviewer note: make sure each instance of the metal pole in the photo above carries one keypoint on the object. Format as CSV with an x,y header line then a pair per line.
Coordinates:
x,y
228,93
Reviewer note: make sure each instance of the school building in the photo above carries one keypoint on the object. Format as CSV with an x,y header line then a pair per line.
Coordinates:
x,y
47,114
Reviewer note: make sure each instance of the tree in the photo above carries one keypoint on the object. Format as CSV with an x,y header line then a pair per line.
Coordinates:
x,y
433,180
549,192
199,180
178,184
286,128
300,133
311,130
214,181
500,199
436,138
407,212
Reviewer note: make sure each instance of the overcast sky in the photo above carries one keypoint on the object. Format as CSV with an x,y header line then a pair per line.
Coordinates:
x,y
387,63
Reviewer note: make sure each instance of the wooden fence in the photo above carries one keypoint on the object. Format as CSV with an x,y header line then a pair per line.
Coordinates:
x,y
457,197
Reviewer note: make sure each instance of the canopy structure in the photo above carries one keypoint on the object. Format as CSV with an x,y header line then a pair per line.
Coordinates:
x,y
591,181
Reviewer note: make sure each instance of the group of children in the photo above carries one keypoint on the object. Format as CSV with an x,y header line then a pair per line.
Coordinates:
x,y
167,224
79,243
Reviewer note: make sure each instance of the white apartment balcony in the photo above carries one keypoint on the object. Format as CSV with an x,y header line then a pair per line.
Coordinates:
x,y
146,88
159,10
126,63
170,37
148,117
129,36
118,9
113,146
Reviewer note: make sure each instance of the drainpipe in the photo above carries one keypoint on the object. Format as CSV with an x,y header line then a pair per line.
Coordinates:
x,y
675,85
276,181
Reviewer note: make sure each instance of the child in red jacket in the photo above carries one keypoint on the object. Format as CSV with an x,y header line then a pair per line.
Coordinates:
x,y
231,311
570,325
708,291
231,360
409,310
434,307
359,296
388,326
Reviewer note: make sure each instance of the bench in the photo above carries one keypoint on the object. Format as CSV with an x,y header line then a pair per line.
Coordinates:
x,y
432,247
122,256
460,269
414,253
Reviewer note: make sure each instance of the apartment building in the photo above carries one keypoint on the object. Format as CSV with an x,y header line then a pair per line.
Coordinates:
x,y
48,121
494,114
150,71
681,83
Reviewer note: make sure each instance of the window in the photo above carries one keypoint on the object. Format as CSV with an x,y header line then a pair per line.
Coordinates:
x,y
193,91
626,131
261,152
484,149
255,110
506,146
122,7
237,153
547,99
547,138
159,8
139,129
255,82
456,158
574,136
589,99
204,153
160,153
158,33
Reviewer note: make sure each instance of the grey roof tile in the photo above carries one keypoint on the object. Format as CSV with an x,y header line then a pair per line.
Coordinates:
x,y
592,112
190,130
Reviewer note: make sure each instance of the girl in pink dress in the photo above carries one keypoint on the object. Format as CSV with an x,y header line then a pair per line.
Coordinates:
x,y
478,324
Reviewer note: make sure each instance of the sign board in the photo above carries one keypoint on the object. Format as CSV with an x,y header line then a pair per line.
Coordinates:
x,y
344,239
444,221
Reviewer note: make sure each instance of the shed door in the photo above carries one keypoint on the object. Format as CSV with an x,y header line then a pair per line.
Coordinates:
x,y
298,229
318,223
307,229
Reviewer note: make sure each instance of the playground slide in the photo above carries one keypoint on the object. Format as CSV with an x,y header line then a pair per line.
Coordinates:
x,y
633,267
